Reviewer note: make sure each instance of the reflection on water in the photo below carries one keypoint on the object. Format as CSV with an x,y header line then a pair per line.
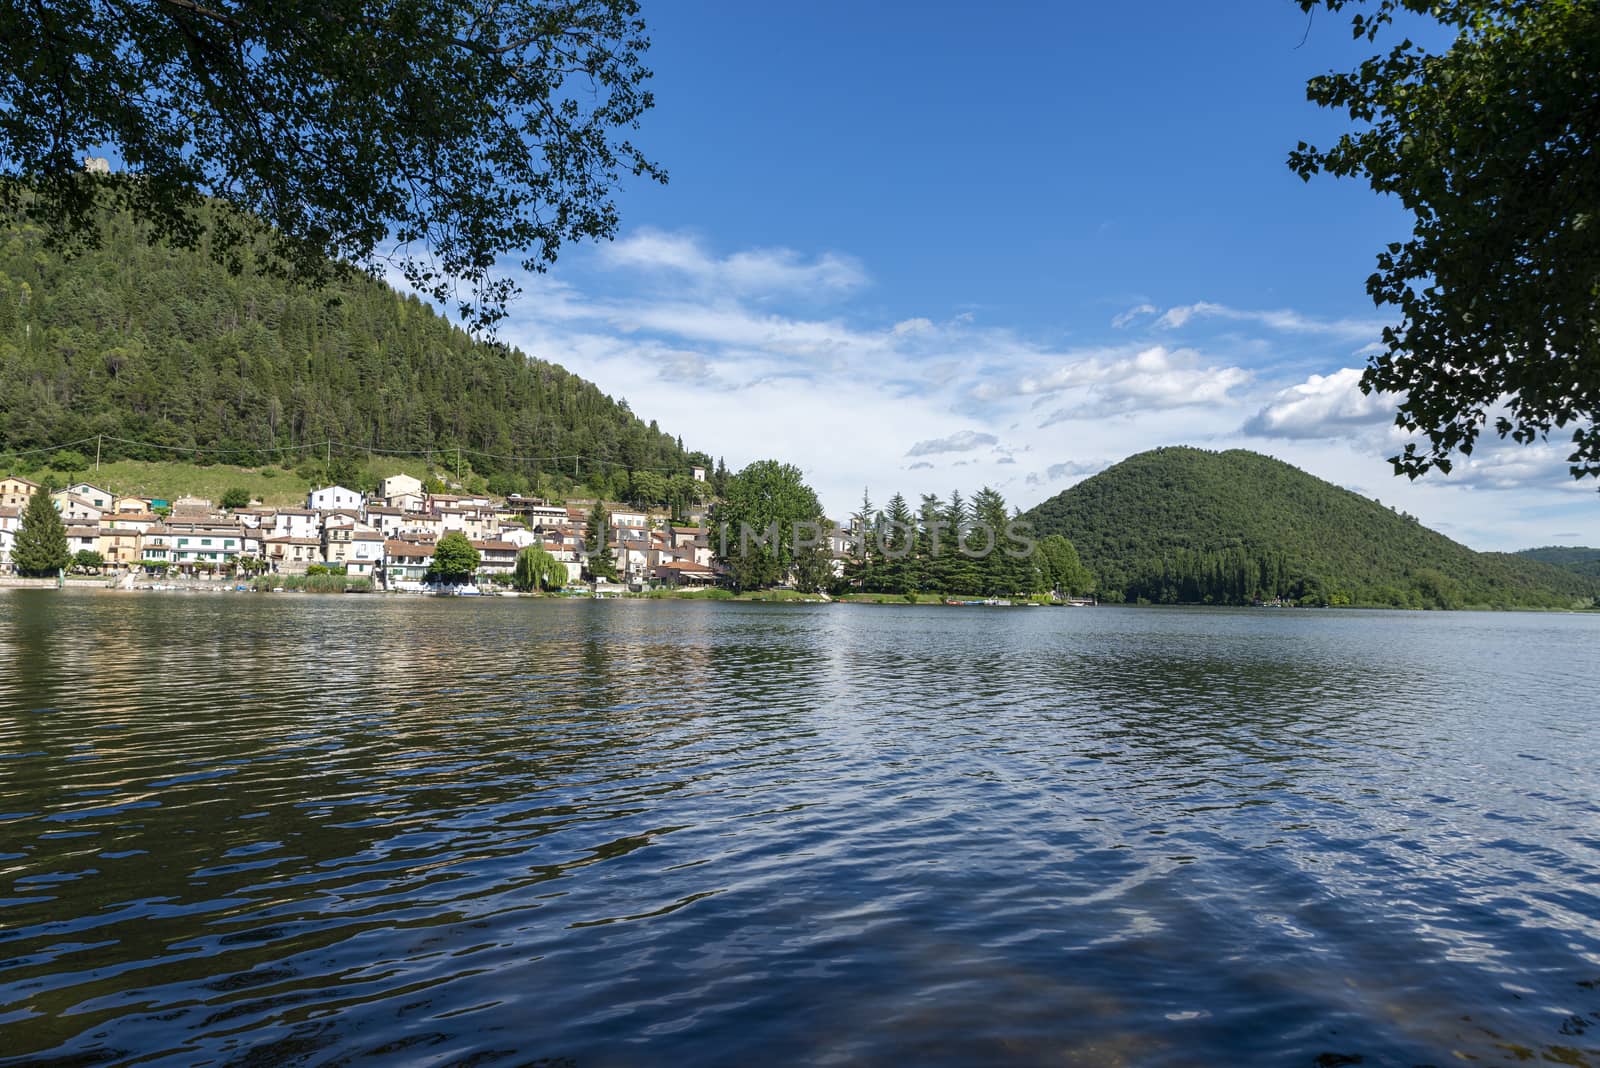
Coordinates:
x,y
264,830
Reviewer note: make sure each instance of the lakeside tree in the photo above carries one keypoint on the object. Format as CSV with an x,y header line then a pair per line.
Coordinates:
x,y
1060,568
1490,146
456,132
596,542
755,523
455,558
41,545
88,560
536,569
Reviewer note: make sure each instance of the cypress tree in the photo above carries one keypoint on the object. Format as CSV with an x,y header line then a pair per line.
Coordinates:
x,y
41,545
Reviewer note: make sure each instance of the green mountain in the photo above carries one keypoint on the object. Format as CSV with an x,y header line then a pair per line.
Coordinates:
x,y
166,347
1579,559
1184,525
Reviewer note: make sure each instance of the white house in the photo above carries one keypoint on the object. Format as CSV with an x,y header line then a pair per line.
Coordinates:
x,y
10,520
101,499
399,486
365,556
383,517
75,509
294,523
333,499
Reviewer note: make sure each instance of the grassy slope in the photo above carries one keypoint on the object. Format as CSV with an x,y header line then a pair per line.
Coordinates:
x,y
272,485
1153,504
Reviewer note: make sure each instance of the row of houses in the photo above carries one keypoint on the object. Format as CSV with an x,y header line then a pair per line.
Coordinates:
x,y
388,536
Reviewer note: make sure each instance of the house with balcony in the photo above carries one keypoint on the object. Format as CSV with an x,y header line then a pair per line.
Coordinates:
x,y
291,555
15,491
406,564
496,557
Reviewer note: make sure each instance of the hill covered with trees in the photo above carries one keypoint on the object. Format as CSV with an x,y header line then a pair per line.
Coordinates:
x,y
1579,559
166,347
1186,525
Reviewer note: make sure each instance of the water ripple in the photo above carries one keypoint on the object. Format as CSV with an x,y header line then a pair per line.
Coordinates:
x,y
260,831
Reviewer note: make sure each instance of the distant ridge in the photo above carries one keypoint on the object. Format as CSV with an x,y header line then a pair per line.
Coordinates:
x,y
1579,559
1187,525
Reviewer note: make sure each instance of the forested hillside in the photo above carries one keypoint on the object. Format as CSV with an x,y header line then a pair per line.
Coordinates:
x,y
165,347
1192,526
1579,559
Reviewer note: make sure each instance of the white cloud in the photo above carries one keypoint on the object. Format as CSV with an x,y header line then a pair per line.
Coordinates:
x,y
961,441
755,271
1138,311
751,371
1151,378
1283,320
1323,406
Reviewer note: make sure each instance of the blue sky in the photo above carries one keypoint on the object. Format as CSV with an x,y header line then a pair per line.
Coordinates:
x,y
933,246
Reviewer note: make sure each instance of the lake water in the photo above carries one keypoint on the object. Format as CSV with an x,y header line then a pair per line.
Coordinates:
x,y
264,830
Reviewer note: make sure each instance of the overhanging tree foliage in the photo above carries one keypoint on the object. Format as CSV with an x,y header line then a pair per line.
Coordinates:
x,y
434,135
1490,145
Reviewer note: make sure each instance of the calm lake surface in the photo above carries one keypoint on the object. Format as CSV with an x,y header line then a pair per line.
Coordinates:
x,y
263,830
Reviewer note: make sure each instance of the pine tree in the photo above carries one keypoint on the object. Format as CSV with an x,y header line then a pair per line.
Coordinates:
x,y
860,570
596,540
41,544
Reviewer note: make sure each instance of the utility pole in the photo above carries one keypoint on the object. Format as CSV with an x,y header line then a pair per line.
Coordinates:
x,y
97,439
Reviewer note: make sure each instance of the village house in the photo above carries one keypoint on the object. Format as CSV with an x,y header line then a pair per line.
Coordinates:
x,y
690,543
570,555
291,555
421,523
630,518
341,535
474,522
132,505
407,502
82,539
76,509
121,540
333,498
399,486
631,551
10,520
684,573
203,544
495,557
99,498
406,564
15,491
365,554
294,523
384,518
